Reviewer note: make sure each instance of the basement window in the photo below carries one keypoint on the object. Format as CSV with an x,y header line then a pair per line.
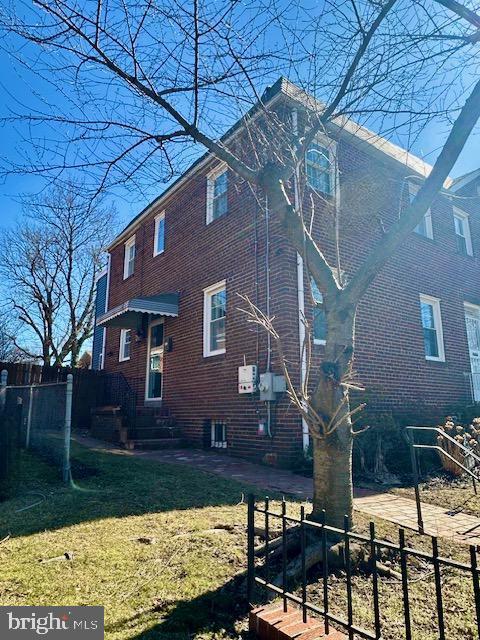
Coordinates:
x,y
218,435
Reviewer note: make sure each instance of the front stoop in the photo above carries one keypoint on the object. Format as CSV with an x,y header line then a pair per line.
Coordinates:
x,y
273,623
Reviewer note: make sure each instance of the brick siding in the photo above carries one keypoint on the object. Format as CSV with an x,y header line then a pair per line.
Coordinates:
x,y
389,341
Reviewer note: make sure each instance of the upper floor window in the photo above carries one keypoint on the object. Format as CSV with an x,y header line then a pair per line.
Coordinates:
x,y
432,328
159,239
217,193
320,168
424,227
125,344
129,258
319,318
462,232
215,310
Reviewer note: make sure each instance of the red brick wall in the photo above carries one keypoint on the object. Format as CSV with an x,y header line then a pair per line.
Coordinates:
x,y
389,346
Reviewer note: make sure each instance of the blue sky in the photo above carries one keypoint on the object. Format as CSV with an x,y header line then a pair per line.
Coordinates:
x,y
16,86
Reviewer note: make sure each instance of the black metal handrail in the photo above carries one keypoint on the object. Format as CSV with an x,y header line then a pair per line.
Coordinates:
x,y
374,546
414,446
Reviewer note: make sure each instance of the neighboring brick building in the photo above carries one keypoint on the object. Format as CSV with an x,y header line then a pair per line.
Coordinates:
x,y
173,324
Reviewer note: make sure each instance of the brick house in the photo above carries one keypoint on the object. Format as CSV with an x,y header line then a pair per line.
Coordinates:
x,y
169,318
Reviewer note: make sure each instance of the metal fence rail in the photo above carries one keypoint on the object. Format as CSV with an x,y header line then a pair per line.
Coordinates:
x,y
260,575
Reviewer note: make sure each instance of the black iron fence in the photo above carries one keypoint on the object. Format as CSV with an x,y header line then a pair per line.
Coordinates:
x,y
261,573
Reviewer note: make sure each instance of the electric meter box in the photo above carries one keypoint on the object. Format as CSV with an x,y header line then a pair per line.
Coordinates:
x,y
247,378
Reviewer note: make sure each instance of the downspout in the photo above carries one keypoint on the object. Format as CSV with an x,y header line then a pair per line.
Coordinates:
x,y
107,293
267,286
300,297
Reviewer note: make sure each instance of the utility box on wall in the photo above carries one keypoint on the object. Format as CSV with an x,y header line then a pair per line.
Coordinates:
x,y
247,378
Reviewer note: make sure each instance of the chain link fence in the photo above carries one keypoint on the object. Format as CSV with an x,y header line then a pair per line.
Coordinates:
x,y
43,413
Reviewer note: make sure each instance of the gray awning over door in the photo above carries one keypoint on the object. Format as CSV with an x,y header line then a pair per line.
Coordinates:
x,y
129,314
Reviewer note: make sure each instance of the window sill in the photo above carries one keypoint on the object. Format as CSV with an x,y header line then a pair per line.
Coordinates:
x,y
124,359
431,241
128,277
215,354
469,256
435,360
159,253
320,343
208,222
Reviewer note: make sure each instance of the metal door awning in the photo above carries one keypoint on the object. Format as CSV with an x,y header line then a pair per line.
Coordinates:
x,y
129,314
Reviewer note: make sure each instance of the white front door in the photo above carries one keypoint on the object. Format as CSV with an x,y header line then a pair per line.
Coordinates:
x,y
154,384
472,319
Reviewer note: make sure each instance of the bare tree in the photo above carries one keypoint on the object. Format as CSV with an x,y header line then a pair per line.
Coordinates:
x,y
50,261
8,350
138,91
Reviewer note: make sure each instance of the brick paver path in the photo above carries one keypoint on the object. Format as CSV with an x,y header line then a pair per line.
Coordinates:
x,y
388,506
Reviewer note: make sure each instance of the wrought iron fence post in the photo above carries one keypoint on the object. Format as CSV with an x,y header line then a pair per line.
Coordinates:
x,y
476,585
414,461
406,599
250,547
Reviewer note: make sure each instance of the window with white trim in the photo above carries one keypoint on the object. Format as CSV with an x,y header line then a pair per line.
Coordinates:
x,y
125,345
319,318
432,328
129,258
159,238
217,193
218,435
462,232
215,309
425,226
320,168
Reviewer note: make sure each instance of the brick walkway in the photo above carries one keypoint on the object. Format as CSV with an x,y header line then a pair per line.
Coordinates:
x,y
388,506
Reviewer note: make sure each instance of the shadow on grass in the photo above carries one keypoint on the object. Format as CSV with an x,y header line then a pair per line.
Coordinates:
x,y
215,612
109,486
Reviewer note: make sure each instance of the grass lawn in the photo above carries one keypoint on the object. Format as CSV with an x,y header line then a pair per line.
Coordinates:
x,y
183,585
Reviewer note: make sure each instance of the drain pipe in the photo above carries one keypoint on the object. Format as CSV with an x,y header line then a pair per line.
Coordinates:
x,y
300,297
267,287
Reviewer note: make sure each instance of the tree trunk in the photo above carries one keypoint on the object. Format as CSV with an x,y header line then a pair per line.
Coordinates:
x,y
332,448
332,478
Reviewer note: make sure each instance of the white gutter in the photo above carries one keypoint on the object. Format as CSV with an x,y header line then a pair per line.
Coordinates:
x,y
301,303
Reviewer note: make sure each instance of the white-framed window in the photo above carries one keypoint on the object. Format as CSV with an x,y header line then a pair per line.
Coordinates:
x,y
217,193
319,318
218,434
320,167
431,318
425,227
125,345
159,238
214,313
129,258
462,232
